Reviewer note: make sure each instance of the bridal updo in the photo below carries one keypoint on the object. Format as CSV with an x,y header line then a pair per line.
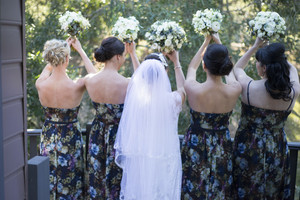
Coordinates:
x,y
110,47
278,82
217,60
56,52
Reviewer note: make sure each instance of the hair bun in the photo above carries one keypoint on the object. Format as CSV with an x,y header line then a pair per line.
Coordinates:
x,y
226,67
109,47
100,55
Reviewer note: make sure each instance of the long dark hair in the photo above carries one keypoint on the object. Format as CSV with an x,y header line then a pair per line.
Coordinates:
x,y
278,82
217,60
109,47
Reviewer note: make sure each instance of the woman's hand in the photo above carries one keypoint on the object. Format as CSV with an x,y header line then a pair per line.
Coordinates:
x,y
216,38
130,47
260,43
174,57
76,44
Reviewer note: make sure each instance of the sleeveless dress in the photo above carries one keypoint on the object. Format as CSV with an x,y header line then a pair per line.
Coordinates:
x,y
61,141
207,157
261,158
104,175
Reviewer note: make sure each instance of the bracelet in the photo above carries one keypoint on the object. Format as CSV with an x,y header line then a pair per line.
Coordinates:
x,y
177,67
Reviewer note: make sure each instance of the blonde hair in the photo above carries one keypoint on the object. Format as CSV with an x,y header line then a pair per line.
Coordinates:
x,y
56,52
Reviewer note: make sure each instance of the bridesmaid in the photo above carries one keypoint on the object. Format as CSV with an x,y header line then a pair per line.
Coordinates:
x,y
261,159
207,147
61,139
107,90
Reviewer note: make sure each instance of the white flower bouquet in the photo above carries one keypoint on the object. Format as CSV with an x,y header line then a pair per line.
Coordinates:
x,y
166,36
267,24
73,23
208,21
126,29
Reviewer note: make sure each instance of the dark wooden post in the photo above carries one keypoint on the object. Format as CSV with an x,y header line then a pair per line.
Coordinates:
x,y
38,178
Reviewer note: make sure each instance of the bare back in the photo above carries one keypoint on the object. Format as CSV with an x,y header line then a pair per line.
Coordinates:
x,y
259,97
57,92
212,98
107,87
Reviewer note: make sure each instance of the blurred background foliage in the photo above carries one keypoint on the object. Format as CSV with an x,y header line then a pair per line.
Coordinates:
x,y
42,25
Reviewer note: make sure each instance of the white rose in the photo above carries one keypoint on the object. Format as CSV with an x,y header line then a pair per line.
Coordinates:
x,y
170,37
154,46
260,35
134,35
179,46
215,26
147,35
257,26
251,23
168,42
270,33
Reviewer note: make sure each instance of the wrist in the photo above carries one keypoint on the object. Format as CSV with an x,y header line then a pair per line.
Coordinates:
x,y
177,66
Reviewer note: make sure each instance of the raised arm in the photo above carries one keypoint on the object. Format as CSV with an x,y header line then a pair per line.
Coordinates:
x,y
87,62
294,78
44,75
179,76
239,67
193,66
130,48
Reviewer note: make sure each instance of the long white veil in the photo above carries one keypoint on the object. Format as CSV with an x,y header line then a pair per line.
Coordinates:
x,y
147,144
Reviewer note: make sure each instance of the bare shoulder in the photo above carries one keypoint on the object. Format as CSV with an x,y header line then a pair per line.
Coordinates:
x,y
191,85
235,86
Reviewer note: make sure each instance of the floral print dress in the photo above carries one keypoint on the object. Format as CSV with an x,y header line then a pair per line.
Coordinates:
x,y
261,158
207,157
104,175
61,141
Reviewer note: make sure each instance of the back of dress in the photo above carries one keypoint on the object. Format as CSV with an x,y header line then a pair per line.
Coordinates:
x,y
61,141
207,145
104,175
261,157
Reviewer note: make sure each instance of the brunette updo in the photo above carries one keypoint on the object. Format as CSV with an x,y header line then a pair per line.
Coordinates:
x,y
56,52
217,60
110,47
278,82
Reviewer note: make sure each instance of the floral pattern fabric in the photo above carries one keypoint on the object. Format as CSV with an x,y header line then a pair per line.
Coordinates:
x,y
104,175
207,158
261,159
61,141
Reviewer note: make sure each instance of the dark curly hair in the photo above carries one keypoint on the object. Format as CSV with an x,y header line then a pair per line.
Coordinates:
x,y
217,60
110,47
278,82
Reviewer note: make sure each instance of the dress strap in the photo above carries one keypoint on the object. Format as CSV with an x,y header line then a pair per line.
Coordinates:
x,y
248,92
292,99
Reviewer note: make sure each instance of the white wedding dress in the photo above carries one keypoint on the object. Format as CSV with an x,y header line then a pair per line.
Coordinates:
x,y
147,144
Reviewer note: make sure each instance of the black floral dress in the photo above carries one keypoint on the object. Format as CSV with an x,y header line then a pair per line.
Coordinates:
x,y
207,157
261,158
104,175
61,141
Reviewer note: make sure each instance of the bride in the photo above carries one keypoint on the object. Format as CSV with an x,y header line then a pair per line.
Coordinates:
x,y
147,144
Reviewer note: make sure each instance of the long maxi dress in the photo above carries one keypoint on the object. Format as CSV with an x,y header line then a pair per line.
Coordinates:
x,y
261,157
104,175
61,141
207,157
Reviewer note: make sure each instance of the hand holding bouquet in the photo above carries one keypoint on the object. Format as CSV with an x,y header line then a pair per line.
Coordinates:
x,y
267,24
73,23
126,29
208,21
166,36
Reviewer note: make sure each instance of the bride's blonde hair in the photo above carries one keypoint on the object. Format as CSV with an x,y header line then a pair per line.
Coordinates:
x,y
56,52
